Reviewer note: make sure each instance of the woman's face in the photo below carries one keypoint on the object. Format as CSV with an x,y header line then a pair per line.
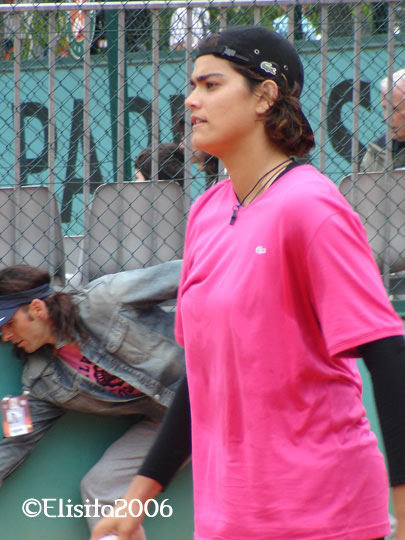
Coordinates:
x,y
223,107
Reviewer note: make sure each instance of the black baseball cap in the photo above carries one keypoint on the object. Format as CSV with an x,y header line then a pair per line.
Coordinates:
x,y
259,48
9,303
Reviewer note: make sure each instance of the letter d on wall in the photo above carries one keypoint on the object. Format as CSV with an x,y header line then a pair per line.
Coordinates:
x,y
39,163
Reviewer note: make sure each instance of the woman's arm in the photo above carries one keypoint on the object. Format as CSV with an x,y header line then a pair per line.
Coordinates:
x,y
385,360
171,449
398,493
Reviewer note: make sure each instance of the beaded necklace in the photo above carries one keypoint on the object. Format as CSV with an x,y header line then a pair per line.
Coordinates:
x,y
274,172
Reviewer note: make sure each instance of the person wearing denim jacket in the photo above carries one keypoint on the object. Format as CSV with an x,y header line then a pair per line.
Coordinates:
x,y
124,332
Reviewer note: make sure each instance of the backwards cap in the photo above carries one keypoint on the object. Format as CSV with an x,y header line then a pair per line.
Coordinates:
x,y
261,49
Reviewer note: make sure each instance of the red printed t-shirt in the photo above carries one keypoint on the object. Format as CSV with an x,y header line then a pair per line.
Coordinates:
x,y
270,312
72,355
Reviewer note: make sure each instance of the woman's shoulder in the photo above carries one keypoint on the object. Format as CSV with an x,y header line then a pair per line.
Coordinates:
x,y
306,183
309,197
307,174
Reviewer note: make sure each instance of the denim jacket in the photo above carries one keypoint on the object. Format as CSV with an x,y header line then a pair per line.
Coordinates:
x,y
129,335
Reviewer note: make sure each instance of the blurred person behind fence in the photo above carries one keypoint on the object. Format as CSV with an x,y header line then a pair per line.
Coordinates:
x,y
374,158
207,164
200,22
170,163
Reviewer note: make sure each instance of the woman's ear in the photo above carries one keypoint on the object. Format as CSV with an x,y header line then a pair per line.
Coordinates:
x,y
38,310
268,93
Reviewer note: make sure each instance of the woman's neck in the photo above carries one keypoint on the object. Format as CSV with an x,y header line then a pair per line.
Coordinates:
x,y
246,168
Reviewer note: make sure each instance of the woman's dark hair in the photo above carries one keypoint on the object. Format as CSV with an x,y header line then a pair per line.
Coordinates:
x,y
286,126
63,312
170,162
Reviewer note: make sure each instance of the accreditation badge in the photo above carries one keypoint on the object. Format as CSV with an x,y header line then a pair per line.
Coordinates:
x,y
16,415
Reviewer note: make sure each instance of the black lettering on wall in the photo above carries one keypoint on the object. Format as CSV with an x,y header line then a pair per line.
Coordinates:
x,y
177,111
339,136
38,163
144,108
74,184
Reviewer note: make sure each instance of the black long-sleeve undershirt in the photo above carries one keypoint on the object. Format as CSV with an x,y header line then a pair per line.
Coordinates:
x,y
172,446
385,360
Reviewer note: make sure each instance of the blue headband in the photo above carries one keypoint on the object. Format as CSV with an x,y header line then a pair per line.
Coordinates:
x,y
9,303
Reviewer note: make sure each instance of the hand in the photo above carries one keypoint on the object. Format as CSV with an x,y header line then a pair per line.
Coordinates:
x,y
125,525
400,530
399,504
124,528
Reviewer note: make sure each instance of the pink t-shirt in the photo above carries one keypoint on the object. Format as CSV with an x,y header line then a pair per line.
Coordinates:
x,y
270,312
72,356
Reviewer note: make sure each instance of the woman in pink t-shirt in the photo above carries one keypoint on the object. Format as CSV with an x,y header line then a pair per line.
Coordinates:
x,y
279,293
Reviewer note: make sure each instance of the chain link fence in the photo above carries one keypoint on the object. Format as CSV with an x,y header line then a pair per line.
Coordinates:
x,y
93,100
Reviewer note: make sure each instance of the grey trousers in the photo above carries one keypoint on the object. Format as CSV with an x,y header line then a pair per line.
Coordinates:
x,y
110,477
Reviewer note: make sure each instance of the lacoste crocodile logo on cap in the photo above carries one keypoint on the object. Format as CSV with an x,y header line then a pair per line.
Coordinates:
x,y
269,67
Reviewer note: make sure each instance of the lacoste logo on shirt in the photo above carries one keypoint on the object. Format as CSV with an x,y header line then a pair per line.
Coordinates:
x,y
260,250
